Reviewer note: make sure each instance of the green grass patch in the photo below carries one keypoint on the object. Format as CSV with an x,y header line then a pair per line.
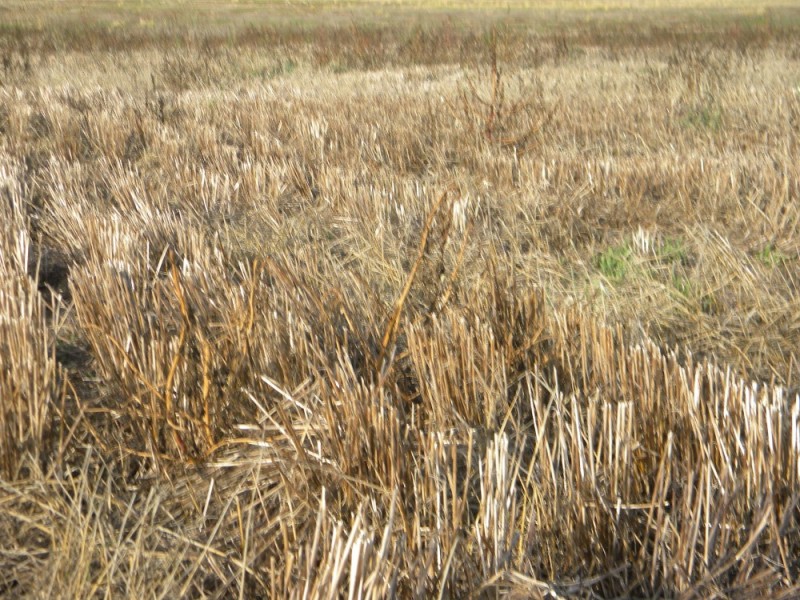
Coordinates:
x,y
703,117
674,250
771,256
614,262
682,285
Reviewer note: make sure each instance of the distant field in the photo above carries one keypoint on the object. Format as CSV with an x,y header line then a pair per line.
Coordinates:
x,y
582,5
52,10
366,300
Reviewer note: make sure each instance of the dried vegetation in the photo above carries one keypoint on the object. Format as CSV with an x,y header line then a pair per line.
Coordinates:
x,y
417,311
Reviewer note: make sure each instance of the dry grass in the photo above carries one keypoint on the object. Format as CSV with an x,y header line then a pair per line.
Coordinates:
x,y
378,310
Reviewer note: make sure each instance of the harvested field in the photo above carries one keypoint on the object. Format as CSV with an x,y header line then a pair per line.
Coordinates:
x,y
453,304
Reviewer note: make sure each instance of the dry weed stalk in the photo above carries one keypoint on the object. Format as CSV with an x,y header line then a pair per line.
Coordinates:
x,y
30,382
